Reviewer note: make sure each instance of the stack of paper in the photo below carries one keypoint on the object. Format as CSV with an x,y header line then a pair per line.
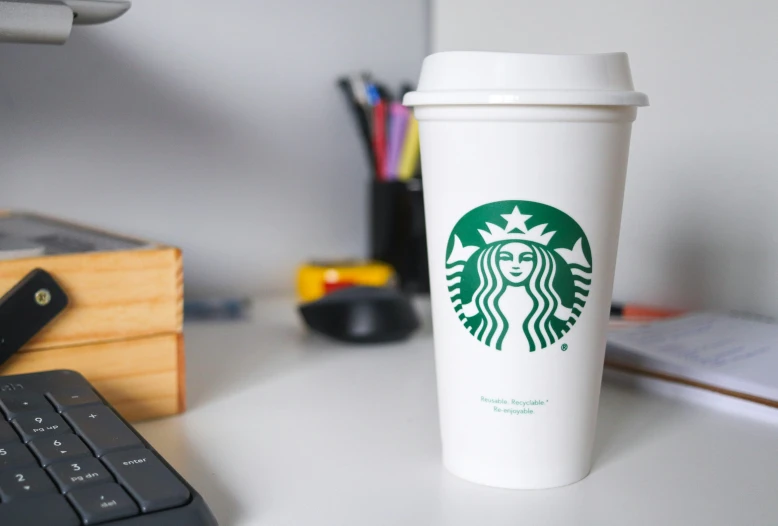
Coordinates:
x,y
727,354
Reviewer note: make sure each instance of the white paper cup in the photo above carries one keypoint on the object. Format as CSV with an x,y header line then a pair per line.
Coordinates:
x,y
524,160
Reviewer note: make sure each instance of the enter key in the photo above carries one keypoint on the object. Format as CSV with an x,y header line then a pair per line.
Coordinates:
x,y
147,479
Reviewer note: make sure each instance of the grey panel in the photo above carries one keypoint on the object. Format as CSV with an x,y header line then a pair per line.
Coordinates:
x,y
34,22
20,233
50,21
97,11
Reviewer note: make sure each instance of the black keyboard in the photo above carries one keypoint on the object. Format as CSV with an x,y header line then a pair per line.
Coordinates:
x,y
67,459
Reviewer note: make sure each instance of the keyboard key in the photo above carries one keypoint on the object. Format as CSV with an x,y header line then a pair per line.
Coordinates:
x,y
101,429
57,439
7,434
148,480
40,425
24,483
64,399
15,456
44,510
61,447
79,473
17,404
102,503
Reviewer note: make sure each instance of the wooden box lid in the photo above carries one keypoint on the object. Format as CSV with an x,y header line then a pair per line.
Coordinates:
x,y
119,287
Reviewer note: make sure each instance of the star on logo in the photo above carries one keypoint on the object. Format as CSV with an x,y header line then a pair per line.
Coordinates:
x,y
516,220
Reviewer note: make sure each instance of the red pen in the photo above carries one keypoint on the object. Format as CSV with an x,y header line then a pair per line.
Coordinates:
x,y
379,138
639,312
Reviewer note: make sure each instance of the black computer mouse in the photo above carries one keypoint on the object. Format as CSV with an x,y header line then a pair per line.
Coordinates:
x,y
362,315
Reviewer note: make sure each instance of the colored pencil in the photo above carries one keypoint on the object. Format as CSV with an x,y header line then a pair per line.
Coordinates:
x,y
398,126
409,158
379,139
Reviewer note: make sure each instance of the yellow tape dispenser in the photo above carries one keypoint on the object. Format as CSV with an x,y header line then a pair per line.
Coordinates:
x,y
317,279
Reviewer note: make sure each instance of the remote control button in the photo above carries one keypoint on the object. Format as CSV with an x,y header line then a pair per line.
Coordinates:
x,y
101,429
64,399
17,404
7,434
152,484
61,447
44,510
103,503
15,456
40,425
78,474
23,483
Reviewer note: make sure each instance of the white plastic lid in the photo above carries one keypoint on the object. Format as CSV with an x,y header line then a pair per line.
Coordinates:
x,y
476,77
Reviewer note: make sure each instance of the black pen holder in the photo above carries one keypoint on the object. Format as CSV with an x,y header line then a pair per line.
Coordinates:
x,y
397,232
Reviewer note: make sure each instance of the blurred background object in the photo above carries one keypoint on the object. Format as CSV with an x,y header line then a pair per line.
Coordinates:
x,y
315,280
50,22
238,144
234,145
362,315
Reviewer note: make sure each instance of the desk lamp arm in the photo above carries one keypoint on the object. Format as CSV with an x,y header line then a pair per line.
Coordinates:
x,y
50,21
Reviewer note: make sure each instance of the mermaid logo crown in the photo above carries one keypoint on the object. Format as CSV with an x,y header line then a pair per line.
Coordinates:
x,y
516,230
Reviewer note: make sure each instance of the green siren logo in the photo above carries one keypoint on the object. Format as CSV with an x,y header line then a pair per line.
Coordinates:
x,y
518,274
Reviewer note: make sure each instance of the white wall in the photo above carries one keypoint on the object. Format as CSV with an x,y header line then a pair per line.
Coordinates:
x,y
700,225
215,126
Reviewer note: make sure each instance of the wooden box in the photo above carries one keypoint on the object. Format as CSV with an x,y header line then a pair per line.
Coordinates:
x,y
123,326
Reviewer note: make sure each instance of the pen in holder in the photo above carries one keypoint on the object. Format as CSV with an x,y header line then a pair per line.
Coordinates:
x,y
397,232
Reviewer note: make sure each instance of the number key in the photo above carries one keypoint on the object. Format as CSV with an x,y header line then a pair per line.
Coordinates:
x,y
17,404
40,425
7,434
102,503
64,399
15,456
61,447
79,473
26,482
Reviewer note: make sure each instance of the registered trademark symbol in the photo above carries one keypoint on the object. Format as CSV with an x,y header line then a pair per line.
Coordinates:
x,y
564,346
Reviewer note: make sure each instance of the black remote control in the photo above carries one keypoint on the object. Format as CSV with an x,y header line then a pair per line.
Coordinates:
x,y
28,307
68,459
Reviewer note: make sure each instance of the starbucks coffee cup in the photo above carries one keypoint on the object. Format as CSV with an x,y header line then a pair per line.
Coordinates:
x,y
524,160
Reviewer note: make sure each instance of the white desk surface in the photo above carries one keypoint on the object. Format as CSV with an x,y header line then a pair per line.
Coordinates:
x,y
289,429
